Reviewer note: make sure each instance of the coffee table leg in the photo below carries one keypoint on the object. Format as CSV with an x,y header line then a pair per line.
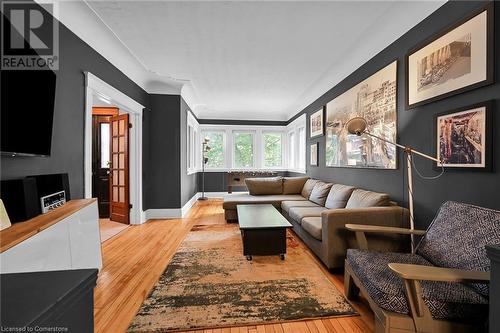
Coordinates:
x,y
249,258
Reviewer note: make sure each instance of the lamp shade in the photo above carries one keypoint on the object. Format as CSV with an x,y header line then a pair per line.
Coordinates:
x,y
356,125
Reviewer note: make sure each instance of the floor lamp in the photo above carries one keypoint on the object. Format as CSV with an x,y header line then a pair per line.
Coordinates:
x,y
204,159
358,126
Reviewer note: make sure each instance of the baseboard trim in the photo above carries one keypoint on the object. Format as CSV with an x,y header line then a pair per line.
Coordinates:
x,y
176,213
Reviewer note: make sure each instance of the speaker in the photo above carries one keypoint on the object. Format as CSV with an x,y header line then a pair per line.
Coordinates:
x,y
20,197
50,184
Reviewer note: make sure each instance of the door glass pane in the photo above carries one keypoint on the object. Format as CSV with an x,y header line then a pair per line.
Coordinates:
x,y
121,145
122,161
104,145
115,177
115,161
122,127
115,144
122,177
122,194
115,193
115,128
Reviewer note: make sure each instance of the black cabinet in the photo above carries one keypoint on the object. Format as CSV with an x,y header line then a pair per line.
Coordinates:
x,y
62,301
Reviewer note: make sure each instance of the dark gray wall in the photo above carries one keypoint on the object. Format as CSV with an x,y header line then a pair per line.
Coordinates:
x,y
163,186
415,128
68,129
188,182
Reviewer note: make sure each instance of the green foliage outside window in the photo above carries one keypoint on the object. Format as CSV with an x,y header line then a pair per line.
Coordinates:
x,y
272,150
243,150
216,153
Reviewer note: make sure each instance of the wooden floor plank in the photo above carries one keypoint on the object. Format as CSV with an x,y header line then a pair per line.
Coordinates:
x,y
134,260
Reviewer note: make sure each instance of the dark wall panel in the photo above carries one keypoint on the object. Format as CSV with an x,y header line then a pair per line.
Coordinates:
x,y
189,187
415,128
67,153
164,185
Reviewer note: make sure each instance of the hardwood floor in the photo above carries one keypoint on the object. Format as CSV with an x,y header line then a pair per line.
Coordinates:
x,y
135,259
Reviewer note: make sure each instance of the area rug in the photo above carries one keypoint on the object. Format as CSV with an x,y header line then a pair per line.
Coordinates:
x,y
209,283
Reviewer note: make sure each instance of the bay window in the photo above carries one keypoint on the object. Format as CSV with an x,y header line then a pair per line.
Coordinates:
x,y
243,149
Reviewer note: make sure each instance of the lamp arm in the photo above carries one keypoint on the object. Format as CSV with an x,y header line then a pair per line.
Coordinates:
x,y
405,148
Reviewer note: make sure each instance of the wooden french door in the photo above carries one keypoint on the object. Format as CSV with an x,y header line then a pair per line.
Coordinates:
x,y
119,170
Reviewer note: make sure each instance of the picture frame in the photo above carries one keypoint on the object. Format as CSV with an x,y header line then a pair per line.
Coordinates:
x,y
314,154
317,123
376,99
456,60
463,137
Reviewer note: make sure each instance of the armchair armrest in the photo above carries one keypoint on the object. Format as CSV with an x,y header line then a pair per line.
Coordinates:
x,y
430,273
383,229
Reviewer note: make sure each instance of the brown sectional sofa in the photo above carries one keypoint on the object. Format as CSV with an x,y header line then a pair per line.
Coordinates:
x,y
319,211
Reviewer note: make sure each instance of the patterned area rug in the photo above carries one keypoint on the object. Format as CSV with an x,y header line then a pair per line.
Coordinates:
x,y
209,283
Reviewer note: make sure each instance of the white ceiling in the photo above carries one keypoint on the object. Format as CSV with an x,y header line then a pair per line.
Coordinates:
x,y
242,60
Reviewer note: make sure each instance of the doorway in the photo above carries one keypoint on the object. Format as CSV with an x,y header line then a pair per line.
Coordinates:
x,y
100,93
110,163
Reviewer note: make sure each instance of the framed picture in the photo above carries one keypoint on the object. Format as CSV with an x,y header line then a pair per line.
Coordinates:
x,y
463,137
314,154
375,100
456,60
316,123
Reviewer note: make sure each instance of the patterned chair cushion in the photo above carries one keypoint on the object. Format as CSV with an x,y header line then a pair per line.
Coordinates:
x,y
457,238
286,205
452,301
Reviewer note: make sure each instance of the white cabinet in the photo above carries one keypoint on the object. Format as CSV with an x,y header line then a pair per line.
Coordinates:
x,y
73,242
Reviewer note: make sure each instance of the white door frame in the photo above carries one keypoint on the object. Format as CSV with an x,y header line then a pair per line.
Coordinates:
x,y
94,86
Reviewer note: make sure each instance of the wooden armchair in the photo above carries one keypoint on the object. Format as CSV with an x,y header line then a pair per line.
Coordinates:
x,y
442,288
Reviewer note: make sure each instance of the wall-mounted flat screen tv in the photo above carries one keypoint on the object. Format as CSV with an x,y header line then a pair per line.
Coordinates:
x,y
27,111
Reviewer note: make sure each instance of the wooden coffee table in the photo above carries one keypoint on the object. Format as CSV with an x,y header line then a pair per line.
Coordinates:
x,y
263,230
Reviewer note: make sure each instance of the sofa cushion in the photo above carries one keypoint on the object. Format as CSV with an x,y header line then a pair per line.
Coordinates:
x,y
453,301
262,186
320,192
230,201
293,185
313,226
308,187
286,205
457,238
338,196
361,198
298,213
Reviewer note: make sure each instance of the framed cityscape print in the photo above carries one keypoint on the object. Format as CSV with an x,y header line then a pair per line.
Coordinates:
x,y
314,154
316,123
463,137
456,60
375,100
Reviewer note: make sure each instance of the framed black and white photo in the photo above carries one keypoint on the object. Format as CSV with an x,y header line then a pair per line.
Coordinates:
x,y
375,99
316,123
458,59
463,137
314,154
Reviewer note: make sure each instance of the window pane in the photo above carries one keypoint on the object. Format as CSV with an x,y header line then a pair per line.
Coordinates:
x,y
216,153
105,145
291,149
302,149
243,150
272,150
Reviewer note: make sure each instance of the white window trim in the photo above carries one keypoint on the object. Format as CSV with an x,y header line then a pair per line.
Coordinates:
x,y
193,151
258,130
256,151
224,143
294,127
283,154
